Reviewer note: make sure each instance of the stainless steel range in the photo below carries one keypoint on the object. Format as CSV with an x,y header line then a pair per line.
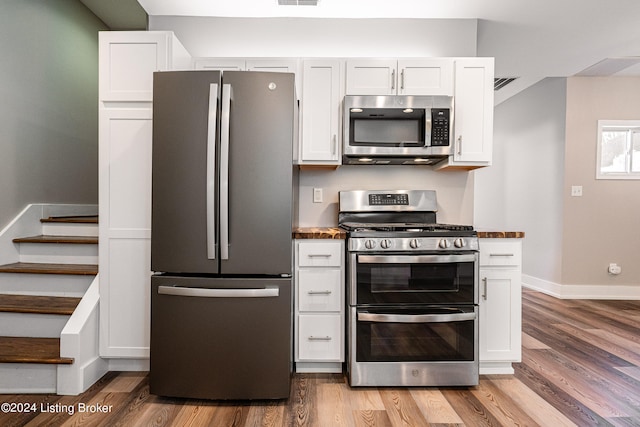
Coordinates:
x,y
412,291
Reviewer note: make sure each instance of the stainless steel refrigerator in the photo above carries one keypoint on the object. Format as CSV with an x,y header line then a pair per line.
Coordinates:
x,y
221,247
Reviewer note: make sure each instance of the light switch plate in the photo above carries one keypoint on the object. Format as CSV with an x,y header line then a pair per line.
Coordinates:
x,y
576,190
317,195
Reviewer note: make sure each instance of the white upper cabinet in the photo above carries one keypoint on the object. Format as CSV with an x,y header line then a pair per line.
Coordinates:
x,y
320,117
128,60
427,76
473,115
223,64
243,64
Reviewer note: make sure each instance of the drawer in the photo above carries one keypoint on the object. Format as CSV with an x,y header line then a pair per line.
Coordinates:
x,y
319,289
320,337
319,254
500,252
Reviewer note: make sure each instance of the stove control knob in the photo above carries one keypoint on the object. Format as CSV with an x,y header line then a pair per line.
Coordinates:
x,y
370,244
415,243
444,244
385,243
459,243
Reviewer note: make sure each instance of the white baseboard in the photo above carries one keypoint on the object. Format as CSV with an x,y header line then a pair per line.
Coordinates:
x,y
610,292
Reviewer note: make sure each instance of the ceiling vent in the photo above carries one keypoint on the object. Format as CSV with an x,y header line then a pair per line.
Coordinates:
x,y
297,2
500,82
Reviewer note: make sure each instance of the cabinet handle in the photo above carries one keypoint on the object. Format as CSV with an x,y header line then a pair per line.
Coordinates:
x,y
327,292
402,79
501,255
334,144
460,144
312,338
393,80
484,288
319,255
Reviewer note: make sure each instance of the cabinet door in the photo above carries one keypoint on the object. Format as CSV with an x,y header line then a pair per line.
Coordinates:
x,y
220,64
125,231
371,77
275,65
500,315
320,337
433,76
319,289
319,253
320,143
127,62
473,110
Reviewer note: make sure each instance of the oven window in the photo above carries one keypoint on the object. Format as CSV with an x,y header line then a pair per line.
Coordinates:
x,y
382,283
415,342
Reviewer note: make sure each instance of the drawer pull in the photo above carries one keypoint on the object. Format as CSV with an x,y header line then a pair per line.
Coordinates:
x,y
327,292
327,338
501,254
319,255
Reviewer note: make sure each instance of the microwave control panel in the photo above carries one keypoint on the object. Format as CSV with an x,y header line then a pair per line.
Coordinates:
x,y
439,127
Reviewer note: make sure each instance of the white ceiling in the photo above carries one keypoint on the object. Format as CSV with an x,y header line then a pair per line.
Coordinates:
x,y
529,39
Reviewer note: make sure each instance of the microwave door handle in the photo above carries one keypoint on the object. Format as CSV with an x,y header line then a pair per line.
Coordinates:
x,y
415,259
225,119
415,318
212,120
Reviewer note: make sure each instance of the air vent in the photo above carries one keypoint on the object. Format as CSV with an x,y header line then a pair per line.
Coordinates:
x,y
297,2
500,82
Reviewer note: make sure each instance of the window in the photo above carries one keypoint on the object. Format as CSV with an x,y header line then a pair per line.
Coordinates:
x,y
618,149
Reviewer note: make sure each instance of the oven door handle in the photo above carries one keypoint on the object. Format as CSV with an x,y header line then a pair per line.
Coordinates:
x,y
415,259
415,318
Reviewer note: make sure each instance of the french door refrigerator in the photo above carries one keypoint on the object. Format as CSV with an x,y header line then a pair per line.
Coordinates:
x,y
221,246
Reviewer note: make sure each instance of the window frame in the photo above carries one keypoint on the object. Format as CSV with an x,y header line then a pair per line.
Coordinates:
x,y
623,125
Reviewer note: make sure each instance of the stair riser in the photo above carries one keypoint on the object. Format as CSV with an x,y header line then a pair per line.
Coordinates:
x,y
18,378
32,325
59,253
45,284
66,229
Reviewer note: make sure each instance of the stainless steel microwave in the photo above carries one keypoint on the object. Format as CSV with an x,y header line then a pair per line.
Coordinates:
x,y
408,130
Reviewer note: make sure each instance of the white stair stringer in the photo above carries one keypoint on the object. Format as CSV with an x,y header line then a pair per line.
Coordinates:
x,y
80,340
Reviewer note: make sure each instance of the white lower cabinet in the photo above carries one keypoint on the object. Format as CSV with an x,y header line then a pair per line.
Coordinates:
x,y
319,305
500,305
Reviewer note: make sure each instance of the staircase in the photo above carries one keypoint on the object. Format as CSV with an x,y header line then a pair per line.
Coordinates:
x,y
38,295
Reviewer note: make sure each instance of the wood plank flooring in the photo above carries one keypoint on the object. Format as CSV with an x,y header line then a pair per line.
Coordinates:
x,y
581,367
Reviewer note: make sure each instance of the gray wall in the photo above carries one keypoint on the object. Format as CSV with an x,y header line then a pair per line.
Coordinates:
x,y
48,104
523,190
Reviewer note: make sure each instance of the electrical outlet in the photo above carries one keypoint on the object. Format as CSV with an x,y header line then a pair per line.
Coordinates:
x,y
317,195
576,190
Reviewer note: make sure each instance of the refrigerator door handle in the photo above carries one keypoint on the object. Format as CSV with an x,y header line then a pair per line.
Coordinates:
x,y
266,292
224,171
211,171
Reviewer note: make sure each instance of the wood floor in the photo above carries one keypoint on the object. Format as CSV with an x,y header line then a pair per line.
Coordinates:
x,y
581,366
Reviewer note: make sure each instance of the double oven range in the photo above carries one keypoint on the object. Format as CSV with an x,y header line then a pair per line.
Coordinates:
x,y
412,292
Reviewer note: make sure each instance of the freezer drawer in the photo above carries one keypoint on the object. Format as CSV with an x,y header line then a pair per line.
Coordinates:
x,y
221,338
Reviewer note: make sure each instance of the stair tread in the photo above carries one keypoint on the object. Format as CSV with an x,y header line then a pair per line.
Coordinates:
x,y
44,268
57,239
31,350
75,219
38,304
